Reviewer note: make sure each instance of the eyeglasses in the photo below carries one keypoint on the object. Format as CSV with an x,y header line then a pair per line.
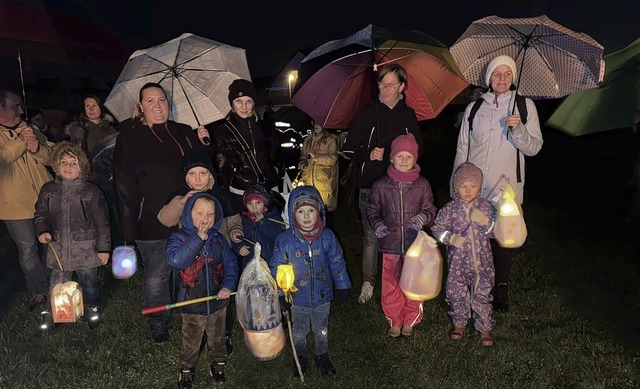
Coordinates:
x,y
389,86
240,103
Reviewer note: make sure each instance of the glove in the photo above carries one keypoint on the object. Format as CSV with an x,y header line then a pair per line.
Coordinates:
x,y
284,305
479,217
341,296
416,223
457,240
382,231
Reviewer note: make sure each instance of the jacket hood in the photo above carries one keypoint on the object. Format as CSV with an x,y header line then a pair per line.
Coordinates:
x,y
305,191
186,221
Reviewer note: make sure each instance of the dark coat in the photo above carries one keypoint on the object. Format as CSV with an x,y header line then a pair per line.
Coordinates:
x,y
264,231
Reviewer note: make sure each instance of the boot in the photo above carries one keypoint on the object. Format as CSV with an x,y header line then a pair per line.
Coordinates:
x,y
217,372
325,365
186,378
92,316
159,331
46,321
501,298
486,339
304,363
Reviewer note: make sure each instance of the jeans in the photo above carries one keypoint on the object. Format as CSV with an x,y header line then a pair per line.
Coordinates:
x,y
370,244
88,280
23,234
157,273
316,319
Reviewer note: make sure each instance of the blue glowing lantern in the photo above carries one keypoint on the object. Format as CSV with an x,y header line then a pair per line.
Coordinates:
x,y
125,262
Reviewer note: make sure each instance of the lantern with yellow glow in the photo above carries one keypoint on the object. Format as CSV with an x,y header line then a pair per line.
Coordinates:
x,y
510,229
66,302
285,279
124,262
421,277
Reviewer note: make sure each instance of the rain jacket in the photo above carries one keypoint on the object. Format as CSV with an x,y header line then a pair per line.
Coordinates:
x,y
322,170
376,125
264,231
318,266
76,215
493,148
22,173
185,249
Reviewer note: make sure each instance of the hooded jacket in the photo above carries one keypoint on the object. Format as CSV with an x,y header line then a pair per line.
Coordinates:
x,y
184,247
321,171
318,266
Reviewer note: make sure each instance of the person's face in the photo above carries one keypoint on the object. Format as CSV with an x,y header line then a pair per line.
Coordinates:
x,y
501,79
203,213
199,178
155,106
243,106
390,88
317,128
468,191
11,114
403,161
68,168
306,217
255,207
92,109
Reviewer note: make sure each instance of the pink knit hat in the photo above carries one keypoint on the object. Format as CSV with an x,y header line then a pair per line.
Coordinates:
x,y
467,172
405,142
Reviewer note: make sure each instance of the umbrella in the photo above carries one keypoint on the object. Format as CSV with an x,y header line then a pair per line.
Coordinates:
x,y
338,78
558,60
194,71
612,105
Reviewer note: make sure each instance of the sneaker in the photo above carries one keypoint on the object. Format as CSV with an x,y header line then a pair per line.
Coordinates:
x,y
407,330
186,378
458,331
37,300
46,321
325,365
304,363
486,339
159,331
394,332
217,372
366,293
92,316
229,344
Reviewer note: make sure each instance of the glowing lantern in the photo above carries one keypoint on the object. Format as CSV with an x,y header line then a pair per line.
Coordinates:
x,y
510,229
66,302
421,277
124,262
285,279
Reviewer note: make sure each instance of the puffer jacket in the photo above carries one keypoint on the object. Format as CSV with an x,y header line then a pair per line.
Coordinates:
x,y
76,215
321,171
393,204
184,248
89,135
264,231
318,266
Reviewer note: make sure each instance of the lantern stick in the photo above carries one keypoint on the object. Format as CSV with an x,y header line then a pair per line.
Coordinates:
x,y
55,254
278,221
295,354
161,308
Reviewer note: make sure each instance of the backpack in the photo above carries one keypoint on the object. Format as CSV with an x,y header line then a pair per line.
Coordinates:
x,y
521,103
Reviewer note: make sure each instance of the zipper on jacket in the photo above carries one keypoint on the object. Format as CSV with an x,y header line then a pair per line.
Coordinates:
x,y
401,219
313,287
84,211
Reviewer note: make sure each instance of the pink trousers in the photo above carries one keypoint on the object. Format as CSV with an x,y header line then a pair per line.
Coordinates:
x,y
397,308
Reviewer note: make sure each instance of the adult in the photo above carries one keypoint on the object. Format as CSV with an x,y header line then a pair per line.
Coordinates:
x,y
498,145
368,145
245,150
23,155
147,167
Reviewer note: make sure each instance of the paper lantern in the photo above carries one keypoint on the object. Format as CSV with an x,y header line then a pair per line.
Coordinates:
x,y
124,262
421,277
66,302
510,229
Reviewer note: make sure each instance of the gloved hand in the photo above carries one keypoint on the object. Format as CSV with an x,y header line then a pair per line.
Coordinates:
x,y
479,217
457,240
382,231
341,296
416,223
284,305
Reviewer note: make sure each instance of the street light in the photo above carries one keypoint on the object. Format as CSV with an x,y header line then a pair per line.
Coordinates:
x,y
293,76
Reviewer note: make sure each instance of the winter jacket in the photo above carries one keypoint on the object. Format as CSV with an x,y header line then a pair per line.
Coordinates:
x,y
185,248
90,135
321,171
376,125
147,167
76,215
492,147
22,173
318,266
264,231
393,204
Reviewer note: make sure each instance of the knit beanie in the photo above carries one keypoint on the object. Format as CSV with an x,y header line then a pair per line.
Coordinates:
x,y
306,199
497,61
405,142
197,158
239,88
467,172
256,192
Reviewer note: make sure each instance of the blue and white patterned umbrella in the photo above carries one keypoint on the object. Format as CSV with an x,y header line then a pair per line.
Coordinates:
x,y
553,61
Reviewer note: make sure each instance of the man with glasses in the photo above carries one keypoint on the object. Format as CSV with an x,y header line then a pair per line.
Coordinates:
x,y
368,145
24,153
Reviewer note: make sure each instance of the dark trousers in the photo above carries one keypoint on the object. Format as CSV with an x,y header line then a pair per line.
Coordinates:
x,y
193,328
502,261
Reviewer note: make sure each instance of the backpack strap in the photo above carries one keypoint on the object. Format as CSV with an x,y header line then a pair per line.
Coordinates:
x,y
472,114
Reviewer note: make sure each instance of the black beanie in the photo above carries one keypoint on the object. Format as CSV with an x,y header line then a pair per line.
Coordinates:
x,y
239,88
195,158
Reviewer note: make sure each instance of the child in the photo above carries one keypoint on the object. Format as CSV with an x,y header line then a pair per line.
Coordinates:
x,y
466,223
72,213
207,267
318,265
260,222
401,203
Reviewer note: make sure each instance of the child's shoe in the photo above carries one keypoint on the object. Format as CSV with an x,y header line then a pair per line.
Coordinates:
x,y
486,339
92,316
160,331
458,332
407,330
217,372
325,365
186,378
46,321
394,332
304,363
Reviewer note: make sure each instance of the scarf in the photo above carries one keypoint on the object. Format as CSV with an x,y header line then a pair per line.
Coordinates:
x,y
399,176
315,232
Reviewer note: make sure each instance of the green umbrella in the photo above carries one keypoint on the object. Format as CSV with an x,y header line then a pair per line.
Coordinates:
x,y
612,105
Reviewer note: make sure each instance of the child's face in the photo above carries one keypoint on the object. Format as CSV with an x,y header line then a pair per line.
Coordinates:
x,y
68,167
199,178
403,161
468,191
203,213
306,217
255,206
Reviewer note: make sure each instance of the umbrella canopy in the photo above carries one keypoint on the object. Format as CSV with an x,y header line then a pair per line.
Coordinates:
x,y
339,78
610,106
194,71
553,61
